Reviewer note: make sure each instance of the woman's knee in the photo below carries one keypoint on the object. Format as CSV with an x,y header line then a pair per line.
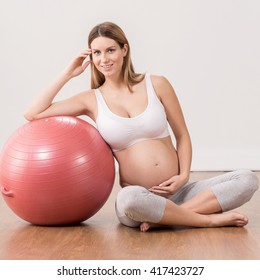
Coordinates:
x,y
127,198
245,185
237,189
249,180
125,202
139,204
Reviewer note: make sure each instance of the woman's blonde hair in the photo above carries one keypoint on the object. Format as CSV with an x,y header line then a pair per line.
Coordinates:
x,y
113,31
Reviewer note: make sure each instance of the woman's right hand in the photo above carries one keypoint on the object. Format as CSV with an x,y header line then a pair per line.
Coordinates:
x,y
43,106
77,66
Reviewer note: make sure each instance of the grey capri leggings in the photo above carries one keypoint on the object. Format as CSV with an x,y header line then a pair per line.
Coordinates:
x,y
136,204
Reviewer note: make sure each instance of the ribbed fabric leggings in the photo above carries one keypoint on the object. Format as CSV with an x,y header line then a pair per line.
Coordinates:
x,y
136,204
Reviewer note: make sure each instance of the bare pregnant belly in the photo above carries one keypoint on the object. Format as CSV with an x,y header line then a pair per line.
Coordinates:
x,y
147,163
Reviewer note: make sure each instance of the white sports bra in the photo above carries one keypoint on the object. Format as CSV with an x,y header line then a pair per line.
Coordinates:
x,y
121,132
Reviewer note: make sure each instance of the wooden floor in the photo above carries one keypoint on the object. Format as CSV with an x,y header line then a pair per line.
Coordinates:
x,y
103,238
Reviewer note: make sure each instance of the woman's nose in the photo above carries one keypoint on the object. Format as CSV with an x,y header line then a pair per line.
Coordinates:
x,y
104,58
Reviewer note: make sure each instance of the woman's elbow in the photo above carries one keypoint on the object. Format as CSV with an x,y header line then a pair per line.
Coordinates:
x,y
29,116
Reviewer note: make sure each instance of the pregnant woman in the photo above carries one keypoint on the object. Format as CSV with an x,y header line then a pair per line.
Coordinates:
x,y
133,113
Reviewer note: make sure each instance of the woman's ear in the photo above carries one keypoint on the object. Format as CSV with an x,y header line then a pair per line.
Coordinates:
x,y
125,49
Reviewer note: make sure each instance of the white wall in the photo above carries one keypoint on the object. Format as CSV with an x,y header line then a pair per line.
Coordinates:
x,y
209,50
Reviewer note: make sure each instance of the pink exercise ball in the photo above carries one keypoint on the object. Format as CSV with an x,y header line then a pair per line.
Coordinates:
x,y
56,171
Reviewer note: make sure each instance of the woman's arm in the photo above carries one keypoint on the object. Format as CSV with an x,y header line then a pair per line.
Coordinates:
x,y
176,120
42,105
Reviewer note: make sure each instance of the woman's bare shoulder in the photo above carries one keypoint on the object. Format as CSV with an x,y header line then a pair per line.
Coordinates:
x,y
86,95
161,85
88,99
158,79
87,92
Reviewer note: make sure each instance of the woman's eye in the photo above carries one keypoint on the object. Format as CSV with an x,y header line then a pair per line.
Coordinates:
x,y
96,52
111,50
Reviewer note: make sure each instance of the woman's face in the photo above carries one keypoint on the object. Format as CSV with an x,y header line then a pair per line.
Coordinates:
x,y
107,56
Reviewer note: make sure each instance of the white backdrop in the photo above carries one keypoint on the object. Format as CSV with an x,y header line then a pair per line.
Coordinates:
x,y
208,50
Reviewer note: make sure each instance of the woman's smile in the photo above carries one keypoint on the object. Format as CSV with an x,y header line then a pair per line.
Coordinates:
x,y
106,67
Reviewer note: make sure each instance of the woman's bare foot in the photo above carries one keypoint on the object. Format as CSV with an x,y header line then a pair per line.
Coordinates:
x,y
216,220
228,219
145,226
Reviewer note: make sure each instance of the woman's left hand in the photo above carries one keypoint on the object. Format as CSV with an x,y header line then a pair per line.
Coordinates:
x,y
170,186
